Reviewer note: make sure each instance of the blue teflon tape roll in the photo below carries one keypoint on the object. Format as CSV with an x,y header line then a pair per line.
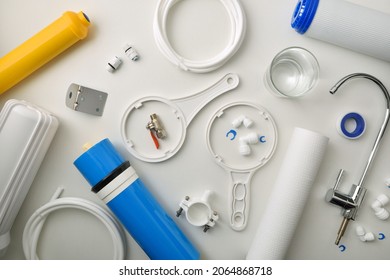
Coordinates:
x,y
359,129
303,15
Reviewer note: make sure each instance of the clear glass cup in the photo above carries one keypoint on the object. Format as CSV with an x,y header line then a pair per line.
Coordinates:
x,y
292,73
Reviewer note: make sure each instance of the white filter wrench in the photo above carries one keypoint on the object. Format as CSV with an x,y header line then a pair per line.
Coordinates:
x,y
345,24
288,198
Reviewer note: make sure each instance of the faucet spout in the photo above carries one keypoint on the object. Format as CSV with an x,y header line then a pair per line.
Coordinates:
x,y
351,202
382,130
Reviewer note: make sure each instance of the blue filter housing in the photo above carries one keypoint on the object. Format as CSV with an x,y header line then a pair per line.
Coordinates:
x,y
117,184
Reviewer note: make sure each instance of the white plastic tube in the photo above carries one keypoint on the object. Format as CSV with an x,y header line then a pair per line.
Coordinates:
x,y
344,24
288,198
238,27
34,225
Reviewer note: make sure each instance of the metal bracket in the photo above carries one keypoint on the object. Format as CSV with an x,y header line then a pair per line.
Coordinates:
x,y
86,100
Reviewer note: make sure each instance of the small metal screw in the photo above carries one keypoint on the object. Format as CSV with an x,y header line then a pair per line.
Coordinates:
x,y
178,212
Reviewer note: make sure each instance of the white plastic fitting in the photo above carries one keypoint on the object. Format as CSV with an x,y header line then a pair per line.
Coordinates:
x,y
244,148
238,121
247,122
113,64
365,237
252,138
198,211
244,142
378,207
131,52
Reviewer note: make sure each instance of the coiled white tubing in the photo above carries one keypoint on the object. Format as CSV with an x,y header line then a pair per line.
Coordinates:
x,y
34,225
238,27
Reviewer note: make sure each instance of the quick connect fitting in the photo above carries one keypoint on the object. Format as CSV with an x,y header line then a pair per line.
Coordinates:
x,y
361,233
378,207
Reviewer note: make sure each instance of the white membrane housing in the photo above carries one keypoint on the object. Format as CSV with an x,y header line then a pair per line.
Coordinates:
x,y
26,132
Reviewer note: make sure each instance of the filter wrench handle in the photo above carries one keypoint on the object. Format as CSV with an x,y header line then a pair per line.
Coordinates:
x,y
190,106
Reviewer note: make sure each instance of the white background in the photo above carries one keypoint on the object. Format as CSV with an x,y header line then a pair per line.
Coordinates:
x,y
198,29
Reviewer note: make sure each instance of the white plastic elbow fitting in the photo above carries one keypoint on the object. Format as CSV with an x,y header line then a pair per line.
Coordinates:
x,y
244,148
378,207
247,122
238,121
242,120
251,138
244,142
361,233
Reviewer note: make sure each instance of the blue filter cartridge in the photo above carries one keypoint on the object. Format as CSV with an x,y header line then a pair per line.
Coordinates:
x,y
117,184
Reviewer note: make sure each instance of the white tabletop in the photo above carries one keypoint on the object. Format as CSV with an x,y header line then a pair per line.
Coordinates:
x,y
198,29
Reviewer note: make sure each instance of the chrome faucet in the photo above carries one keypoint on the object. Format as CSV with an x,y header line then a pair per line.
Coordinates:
x,y
351,202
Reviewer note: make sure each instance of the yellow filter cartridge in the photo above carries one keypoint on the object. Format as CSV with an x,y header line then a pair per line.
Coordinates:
x,y
41,48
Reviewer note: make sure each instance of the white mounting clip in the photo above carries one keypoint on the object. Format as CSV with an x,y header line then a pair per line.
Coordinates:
x,y
198,211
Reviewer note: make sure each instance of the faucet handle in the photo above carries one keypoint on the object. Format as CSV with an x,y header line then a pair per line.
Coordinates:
x,y
335,196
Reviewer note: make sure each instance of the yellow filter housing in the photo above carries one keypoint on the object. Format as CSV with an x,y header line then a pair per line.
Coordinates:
x,y
70,28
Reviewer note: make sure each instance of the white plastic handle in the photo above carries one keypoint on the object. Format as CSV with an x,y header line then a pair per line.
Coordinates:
x,y
239,194
191,105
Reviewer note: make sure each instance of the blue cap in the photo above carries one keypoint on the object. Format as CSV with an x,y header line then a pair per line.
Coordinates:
x,y
303,16
98,162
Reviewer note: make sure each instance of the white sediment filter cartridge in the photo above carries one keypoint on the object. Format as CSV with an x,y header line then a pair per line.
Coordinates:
x,y
345,24
289,195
